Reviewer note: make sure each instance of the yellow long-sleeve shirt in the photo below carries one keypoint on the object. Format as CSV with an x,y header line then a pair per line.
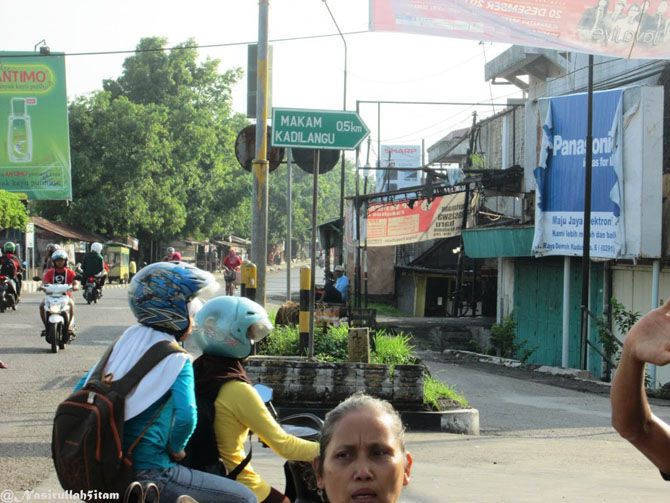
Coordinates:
x,y
239,409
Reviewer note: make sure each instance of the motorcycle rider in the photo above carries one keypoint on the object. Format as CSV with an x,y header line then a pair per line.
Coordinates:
x,y
48,263
160,413
231,264
59,274
94,265
172,255
10,266
226,329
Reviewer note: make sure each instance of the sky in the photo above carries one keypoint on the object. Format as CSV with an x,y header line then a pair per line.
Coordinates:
x,y
308,72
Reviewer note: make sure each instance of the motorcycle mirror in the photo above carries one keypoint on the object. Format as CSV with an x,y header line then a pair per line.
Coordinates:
x,y
264,391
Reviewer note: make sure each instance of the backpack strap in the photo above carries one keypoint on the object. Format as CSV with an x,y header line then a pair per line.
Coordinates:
x,y
96,374
238,469
148,361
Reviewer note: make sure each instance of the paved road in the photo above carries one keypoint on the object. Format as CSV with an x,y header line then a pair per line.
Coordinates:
x,y
539,442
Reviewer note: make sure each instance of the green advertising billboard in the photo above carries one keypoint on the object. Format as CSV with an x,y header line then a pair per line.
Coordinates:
x,y
34,134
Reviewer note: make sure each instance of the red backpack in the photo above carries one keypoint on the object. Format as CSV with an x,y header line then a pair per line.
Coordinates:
x,y
87,440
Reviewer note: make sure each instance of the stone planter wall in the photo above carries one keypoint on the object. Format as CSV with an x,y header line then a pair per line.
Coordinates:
x,y
327,384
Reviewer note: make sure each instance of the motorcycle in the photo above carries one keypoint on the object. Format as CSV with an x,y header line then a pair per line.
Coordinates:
x,y
8,297
300,477
92,291
57,308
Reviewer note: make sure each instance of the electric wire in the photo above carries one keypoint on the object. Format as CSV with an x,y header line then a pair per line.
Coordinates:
x,y
177,47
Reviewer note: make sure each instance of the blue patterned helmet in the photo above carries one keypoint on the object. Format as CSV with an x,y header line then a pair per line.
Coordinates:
x,y
229,326
160,293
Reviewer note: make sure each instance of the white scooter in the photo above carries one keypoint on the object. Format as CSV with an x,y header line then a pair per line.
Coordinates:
x,y
57,311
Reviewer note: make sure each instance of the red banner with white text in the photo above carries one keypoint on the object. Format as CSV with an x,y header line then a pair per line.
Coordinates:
x,y
398,223
608,27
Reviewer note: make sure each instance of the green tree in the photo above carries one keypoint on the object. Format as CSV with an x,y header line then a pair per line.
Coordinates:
x,y
13,214
159,143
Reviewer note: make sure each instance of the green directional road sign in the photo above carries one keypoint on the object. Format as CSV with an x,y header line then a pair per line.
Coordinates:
x,y
329,129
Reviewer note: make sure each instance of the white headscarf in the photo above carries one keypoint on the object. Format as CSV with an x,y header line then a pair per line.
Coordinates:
x,y
134,342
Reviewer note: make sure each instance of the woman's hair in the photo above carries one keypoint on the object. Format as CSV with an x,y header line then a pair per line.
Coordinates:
x,y
356,402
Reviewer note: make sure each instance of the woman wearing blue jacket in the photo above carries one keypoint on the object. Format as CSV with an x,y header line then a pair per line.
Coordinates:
x,y
161,297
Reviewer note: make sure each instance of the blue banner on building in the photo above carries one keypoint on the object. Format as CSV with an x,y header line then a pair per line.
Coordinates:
x,y
559,203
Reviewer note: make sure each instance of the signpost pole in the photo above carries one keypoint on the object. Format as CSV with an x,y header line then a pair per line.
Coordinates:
x,y
315,186
289,223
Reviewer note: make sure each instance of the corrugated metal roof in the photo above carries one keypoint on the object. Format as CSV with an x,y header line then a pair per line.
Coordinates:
x,y
66,230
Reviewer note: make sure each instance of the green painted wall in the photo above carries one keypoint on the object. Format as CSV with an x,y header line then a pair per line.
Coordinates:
x,y
538,309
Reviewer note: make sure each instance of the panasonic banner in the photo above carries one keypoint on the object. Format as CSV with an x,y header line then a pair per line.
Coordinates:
x,y
559,202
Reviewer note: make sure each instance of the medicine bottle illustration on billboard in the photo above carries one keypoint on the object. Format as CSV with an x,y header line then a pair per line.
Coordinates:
x,y
19,131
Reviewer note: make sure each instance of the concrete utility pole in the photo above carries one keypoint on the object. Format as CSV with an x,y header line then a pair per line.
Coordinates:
x,y
260,166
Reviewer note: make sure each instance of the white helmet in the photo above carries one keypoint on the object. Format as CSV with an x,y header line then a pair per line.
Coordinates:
x,y
96,247
170,249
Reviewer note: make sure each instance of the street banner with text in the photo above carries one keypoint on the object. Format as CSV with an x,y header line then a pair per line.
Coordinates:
x,y
559,201
34,133
397,223
636,30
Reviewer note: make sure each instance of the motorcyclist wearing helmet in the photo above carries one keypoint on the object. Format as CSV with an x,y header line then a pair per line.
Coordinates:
x,y
226,329
163,297
59,274
48,263
172,255
94,265
10,265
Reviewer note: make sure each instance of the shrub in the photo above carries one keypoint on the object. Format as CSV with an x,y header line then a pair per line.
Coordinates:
x,y
283,341
503,339
330,345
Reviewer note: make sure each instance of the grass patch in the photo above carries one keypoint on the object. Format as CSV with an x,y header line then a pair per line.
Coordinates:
x,y
440,396
393,350
386,310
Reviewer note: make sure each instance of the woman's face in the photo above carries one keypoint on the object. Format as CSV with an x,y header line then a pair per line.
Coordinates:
x,y
364,461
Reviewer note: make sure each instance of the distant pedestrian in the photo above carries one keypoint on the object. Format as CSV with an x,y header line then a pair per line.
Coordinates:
x,y
342,282
132,269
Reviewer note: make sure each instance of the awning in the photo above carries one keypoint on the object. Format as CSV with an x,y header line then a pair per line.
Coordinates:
x,y
493,242
67,231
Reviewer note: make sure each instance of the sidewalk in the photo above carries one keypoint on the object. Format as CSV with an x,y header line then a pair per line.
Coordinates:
x,y
30,286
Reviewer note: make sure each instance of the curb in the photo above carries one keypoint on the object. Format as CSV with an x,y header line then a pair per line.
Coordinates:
x,y
460,421
455,354
460,356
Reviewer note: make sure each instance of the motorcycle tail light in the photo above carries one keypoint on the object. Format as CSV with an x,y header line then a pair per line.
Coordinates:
x,y
3,278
